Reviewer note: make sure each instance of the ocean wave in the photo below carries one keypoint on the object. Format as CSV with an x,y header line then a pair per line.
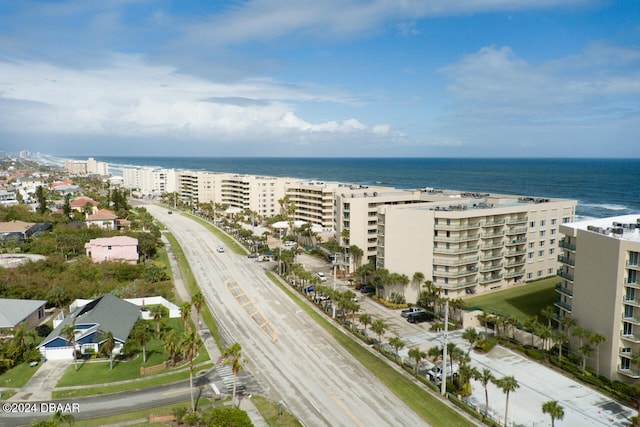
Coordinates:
x,y
607,206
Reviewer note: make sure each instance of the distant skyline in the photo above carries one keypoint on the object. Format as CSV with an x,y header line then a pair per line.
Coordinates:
x,y
328,78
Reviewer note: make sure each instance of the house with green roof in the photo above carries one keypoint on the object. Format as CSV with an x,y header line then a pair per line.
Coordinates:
x,y
91,322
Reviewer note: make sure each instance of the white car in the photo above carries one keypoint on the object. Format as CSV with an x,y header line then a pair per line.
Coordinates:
x,y
322,277
220,249
290,243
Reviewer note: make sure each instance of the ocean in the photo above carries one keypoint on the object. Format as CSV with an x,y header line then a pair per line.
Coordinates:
x,y
603,187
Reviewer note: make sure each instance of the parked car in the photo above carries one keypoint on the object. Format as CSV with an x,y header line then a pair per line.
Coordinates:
x,y
290,243
367,290
406,312
435,373
169,212
322,277
253,256
419,317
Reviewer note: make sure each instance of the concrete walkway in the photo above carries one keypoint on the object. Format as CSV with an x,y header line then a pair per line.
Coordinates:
x,y
42,383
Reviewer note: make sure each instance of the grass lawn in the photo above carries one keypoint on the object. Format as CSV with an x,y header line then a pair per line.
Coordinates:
x,y
98,372
519,302
426,405
17,376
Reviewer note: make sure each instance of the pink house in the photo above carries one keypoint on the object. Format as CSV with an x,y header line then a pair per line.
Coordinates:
x,y
119,248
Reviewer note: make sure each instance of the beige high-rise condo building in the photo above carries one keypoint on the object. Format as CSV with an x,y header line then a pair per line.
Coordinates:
x,y
600,269
472,243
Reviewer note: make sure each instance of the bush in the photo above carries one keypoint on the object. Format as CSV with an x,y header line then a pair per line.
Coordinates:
x,y
43,330
487,345
534,354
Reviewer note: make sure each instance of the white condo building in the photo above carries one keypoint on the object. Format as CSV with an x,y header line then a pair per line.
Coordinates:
x,y
600,271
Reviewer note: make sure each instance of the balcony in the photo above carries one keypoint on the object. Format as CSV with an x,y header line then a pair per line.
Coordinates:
x,y
632,301
566,260
493,223
486,268
455,261
564,290
515,263
516,242
456,250
519,230
492,246
565,275
562,305
565,245
518,220
634,285
456,226
633,266
492,235
515,253
455,274
465,284
630,337
489,279
632,319
492,257
629,372
456,239
511,274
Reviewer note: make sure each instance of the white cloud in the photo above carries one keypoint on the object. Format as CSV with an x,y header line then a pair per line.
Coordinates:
x,y
131,98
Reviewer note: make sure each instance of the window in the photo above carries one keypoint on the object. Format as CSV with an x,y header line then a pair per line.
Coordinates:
x,y
542,233
554,221
627,328
529,275
542,222
532,224
530,255
633,258
633,276
552,251
109,247
531,245
539,273
552,242
550,270
553,231
566,219
541,243
541,253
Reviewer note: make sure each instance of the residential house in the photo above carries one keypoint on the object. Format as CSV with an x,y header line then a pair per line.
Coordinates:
x,y
91,322
103,218
84,204
118,248
13,312
21,230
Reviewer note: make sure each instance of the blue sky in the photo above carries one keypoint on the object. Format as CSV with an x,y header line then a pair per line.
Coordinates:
x,y
431,78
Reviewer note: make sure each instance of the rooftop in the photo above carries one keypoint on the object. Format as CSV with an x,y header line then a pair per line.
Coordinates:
x,y
626,227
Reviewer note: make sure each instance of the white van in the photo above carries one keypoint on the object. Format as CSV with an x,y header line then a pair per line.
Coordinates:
x,y
435,373
322,277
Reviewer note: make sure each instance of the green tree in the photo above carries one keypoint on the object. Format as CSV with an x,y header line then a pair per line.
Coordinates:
x,y
507,385
141,334
596,339
41,198
397,343
69,334
108,345
365,320
418,355
158,312
585,351
185,312
172,344
191,343
198,301
417,280
549,313
555,411
379,327
485,378
356,253
470,334
233,357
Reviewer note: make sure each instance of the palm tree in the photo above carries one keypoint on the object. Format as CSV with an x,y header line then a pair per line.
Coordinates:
x,y
466,373
108,345
584,352
507,384
191,343
416,354
397,343
560,338
141,335
485,378
568,323
555,411
233,357
379,327
158,312
532,324
484,318
549,313
198,301
596,339
69,334
581,333
185,312
434,353
470,334
417,279
171,343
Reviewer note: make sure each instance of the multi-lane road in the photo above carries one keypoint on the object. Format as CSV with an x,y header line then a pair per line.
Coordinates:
x,y
294,359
